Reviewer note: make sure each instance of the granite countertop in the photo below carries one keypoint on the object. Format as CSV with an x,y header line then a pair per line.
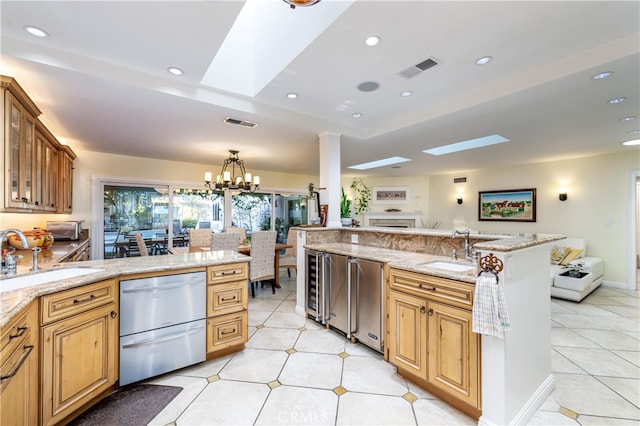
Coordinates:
x,y
11,302
415,262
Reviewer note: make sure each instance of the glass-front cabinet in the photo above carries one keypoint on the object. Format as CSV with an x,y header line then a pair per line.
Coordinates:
x,y
38,174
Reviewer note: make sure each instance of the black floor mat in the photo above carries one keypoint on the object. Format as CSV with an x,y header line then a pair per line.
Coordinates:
x,y
131,405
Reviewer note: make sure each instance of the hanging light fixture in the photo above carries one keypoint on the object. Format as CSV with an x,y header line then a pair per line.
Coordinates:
x,y
232,176
303,3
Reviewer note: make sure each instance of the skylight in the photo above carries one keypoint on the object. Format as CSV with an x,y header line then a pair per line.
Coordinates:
x,y
379,163
465,145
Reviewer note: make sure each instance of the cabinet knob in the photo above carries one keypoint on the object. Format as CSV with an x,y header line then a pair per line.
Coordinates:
x,y
430,312
423,310
114,314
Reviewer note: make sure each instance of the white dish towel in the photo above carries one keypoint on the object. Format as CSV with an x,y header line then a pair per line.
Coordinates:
x,y
490,314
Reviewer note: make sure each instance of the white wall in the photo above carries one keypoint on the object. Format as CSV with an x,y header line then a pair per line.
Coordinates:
x,y
596,208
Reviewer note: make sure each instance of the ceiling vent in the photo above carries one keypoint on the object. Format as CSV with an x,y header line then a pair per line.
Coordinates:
x,y
414,70
242,123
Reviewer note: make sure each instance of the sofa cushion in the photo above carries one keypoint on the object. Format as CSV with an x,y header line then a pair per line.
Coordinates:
x,y
571,255
558,253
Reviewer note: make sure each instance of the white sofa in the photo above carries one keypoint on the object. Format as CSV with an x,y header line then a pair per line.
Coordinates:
x,y
570,254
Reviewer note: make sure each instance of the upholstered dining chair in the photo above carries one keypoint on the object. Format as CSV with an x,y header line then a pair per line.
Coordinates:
x,y
241,232
288,259
200,237
224,241
142,246
263,246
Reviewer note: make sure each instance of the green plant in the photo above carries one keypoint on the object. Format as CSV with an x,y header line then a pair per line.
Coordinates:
x,y
363,195
345,205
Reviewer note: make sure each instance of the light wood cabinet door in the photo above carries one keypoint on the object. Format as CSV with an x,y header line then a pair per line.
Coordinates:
x,y
19,395
226,330
453,352
227,298
65,205
80,359
408,333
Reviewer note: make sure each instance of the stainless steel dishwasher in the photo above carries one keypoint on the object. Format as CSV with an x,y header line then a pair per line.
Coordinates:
x,y
162,324
366,319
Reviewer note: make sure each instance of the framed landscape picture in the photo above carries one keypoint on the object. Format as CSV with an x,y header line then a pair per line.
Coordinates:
x,y
511,205
390,195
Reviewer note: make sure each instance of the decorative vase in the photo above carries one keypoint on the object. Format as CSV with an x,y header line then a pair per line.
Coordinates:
x,y
346,221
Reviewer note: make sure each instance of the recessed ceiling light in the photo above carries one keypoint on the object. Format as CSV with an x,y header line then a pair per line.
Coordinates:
x,y
484,60
175,71
372,40
38,32
292,95
617,100
629,118
380,163
464,145
406,93
602,75
356,115
633,142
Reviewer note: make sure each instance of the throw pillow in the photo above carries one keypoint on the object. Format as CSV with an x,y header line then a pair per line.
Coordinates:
x,y
572,255
558,253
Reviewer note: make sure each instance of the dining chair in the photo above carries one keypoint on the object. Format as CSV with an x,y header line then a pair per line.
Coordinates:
x,y
263,246
200,237
224,241
288,259
242,233
142,246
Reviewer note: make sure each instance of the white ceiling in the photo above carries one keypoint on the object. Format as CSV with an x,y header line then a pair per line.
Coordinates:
x,y
101,80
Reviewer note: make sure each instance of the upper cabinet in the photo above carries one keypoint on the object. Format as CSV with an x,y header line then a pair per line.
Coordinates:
x,y
38,170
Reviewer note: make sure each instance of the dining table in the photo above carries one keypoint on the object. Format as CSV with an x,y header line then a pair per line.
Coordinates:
x,y
242,249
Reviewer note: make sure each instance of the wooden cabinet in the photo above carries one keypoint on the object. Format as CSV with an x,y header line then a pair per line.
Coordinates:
x,y
79,348
38,176
430,339
19,394
227,303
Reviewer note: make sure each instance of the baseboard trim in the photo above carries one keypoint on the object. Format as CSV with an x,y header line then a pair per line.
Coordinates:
x,y
615,284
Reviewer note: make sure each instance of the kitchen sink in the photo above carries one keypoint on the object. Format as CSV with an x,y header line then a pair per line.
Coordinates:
x,y
9,284
449,266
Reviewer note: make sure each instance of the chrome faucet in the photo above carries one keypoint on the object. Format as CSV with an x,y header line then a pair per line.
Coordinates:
x,y
9,267
469,252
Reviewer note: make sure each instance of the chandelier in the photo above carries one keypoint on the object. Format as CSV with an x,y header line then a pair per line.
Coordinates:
x,y
232,176
294,3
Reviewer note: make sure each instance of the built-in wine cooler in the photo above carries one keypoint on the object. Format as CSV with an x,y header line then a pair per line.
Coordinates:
x,y
315,285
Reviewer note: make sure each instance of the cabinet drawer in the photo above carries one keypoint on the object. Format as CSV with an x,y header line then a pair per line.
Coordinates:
x,y
226,273
434,288
18,333
227,298
66,303
227,330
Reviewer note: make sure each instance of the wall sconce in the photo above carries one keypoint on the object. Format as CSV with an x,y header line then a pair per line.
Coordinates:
x,y
459,200
562,196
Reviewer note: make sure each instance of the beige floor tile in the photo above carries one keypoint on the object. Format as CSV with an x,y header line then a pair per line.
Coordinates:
x,y
627,388
436,412
226,403
205,369
287,306
600,362
611,339
609,421
549,418
322,371
191,388
255,365
321,341
366,409
372,375
568,337
560,364
273,338
258,317
588,396
631,356
259,304
285,320
287,405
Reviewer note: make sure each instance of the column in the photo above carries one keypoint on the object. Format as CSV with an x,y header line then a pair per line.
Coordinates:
x,y
330,175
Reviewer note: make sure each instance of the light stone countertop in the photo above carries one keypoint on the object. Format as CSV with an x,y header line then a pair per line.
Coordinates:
x,y
11,302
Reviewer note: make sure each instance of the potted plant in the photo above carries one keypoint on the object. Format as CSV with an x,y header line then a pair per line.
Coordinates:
x,y
345,209
363,195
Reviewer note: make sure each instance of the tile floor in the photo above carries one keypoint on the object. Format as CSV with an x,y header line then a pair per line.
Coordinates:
x,y
293,371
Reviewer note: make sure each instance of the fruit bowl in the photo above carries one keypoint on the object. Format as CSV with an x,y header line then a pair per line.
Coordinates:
x,y
35,238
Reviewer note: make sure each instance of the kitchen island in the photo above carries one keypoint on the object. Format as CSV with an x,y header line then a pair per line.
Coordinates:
x,y
515,371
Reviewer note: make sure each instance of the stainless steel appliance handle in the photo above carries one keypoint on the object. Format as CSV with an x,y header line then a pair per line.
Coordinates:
x,y
158,287
326,290
318,275
350,299
162,339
